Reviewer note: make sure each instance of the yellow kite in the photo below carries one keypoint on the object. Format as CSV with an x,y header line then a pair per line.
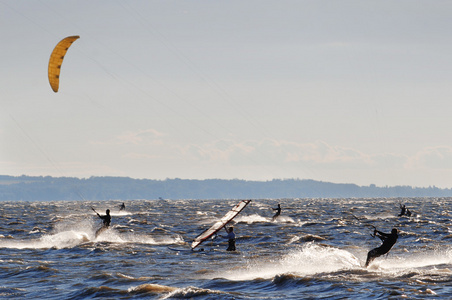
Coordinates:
x,y
56,59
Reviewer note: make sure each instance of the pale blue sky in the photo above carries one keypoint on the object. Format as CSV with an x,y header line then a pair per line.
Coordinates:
x,y
341,91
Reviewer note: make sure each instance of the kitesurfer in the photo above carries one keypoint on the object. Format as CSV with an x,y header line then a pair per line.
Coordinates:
x,y
106,220
122,206
231,238
388,239
404,211
278,212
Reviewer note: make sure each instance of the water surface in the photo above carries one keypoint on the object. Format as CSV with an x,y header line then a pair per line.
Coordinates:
x,y
315,249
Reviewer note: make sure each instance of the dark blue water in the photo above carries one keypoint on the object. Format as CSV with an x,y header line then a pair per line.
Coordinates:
x,y
315,249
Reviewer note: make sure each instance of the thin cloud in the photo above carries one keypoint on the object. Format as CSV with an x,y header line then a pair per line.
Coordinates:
x,y
431,157
140,137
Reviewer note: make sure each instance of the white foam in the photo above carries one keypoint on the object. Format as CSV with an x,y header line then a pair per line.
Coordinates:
x,y
72,232
254,218
66,239
114,236
427,260
120,213
313,259
309,259
284,219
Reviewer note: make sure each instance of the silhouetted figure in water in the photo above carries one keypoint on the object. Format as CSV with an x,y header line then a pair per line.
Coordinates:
x,y
404,211
106,220
122,206
278,212
231,238
388,239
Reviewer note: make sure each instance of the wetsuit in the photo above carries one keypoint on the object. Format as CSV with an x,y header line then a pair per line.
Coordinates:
x,y
278,212
403,210
388,239
106,220
231,240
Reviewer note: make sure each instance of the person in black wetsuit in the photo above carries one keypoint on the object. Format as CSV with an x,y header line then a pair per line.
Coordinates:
x,y
122,206
388,239
404,211
231,238
106,220
278,212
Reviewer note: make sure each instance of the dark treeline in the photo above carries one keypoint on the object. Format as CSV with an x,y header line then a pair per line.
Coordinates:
x,y
48,188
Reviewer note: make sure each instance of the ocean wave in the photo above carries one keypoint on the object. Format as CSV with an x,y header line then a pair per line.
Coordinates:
x,y
191,292
151,288
73,238
308,260
67,239
169,292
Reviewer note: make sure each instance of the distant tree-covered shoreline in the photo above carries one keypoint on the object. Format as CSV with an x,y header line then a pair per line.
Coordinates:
x,y
47,188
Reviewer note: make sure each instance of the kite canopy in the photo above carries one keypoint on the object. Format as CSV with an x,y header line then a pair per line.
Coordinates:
x,y
220,223
56,59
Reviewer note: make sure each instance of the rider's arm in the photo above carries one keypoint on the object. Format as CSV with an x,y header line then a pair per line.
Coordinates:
x,y
383,236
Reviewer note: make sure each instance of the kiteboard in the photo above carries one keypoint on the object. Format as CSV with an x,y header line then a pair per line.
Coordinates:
x,y
186,250
220,224
203,251
100,230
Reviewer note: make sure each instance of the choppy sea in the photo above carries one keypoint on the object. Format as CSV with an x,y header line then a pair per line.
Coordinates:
x,y
316,249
